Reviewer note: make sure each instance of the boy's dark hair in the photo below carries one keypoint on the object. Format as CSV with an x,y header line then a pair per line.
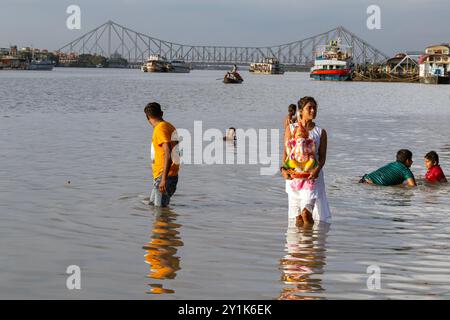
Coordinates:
x,y
153,110
292,108
433,157
403,155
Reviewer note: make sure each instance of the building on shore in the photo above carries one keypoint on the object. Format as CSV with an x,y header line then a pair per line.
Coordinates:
x,y
10,59
435,65
26,58
402,66
66,59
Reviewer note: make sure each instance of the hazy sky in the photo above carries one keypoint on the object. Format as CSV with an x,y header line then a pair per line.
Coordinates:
x,y
405,24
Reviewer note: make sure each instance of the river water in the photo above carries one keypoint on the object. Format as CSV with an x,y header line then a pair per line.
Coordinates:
x,y
226,234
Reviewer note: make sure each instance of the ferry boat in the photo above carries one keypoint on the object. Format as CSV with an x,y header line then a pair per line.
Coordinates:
x,y
435,65
156,63
267,66
179,66
332,62
41,65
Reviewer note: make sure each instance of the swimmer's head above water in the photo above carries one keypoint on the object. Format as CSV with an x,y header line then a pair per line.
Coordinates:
x,y
230,135
405,156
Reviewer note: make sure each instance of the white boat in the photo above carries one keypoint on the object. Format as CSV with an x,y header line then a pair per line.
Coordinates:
x,y
332,62
179,66
267,66
156,63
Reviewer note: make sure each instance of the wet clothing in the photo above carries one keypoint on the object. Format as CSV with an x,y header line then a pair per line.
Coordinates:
x,y
394,173
313,197
159,199
435,174
164,132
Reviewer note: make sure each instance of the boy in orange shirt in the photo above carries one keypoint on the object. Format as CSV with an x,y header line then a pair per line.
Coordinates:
x,y
165,170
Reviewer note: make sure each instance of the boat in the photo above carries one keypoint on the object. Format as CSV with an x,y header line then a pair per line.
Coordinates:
x,y
179,66
156,63
435,65
41,65
267,66
333,62
232,77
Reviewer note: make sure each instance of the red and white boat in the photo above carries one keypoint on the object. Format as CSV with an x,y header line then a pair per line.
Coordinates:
x,y
332,62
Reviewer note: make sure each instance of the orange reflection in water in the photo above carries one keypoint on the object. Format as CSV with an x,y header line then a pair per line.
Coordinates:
x,y
303,264
162,248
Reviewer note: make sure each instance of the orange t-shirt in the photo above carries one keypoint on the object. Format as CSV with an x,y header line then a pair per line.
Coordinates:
x,y
164,132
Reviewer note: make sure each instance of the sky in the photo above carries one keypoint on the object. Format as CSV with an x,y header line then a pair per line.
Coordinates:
x,y
405,24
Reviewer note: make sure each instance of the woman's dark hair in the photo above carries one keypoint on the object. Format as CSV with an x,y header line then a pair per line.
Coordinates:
x,y
304,101
433,157
153,110
403,155
292,108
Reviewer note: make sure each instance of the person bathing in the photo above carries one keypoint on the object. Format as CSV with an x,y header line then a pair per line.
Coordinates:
x,y
165,170
434,173
304,157
394,173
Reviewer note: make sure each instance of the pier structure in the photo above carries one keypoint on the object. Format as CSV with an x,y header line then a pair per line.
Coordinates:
x,y
112,38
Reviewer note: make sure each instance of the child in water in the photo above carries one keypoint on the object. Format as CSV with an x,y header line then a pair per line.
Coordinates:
x,y
394,173
230,135
434,173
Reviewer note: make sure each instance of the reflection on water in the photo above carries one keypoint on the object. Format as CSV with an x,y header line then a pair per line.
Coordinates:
x,y
161,250
302,266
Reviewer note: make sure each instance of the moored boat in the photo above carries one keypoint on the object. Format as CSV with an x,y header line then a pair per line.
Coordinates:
x,y
435,65
41,65
267,66
156,63
332,62
179,66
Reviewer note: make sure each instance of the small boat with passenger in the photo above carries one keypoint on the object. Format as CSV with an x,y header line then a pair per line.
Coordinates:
x,y
233,76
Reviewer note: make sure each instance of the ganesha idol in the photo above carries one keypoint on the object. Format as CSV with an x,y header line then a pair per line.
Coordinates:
x,y
301,158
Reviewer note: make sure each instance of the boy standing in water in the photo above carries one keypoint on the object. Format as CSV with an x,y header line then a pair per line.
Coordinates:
x,y
165,170
394,173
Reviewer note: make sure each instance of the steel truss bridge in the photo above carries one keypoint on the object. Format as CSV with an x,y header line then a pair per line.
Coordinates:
x,y
112,38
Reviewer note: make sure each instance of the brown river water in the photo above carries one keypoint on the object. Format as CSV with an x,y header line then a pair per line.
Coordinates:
x,y
226,234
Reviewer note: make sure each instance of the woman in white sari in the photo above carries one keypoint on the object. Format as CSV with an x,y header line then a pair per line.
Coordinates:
x,y
307,196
